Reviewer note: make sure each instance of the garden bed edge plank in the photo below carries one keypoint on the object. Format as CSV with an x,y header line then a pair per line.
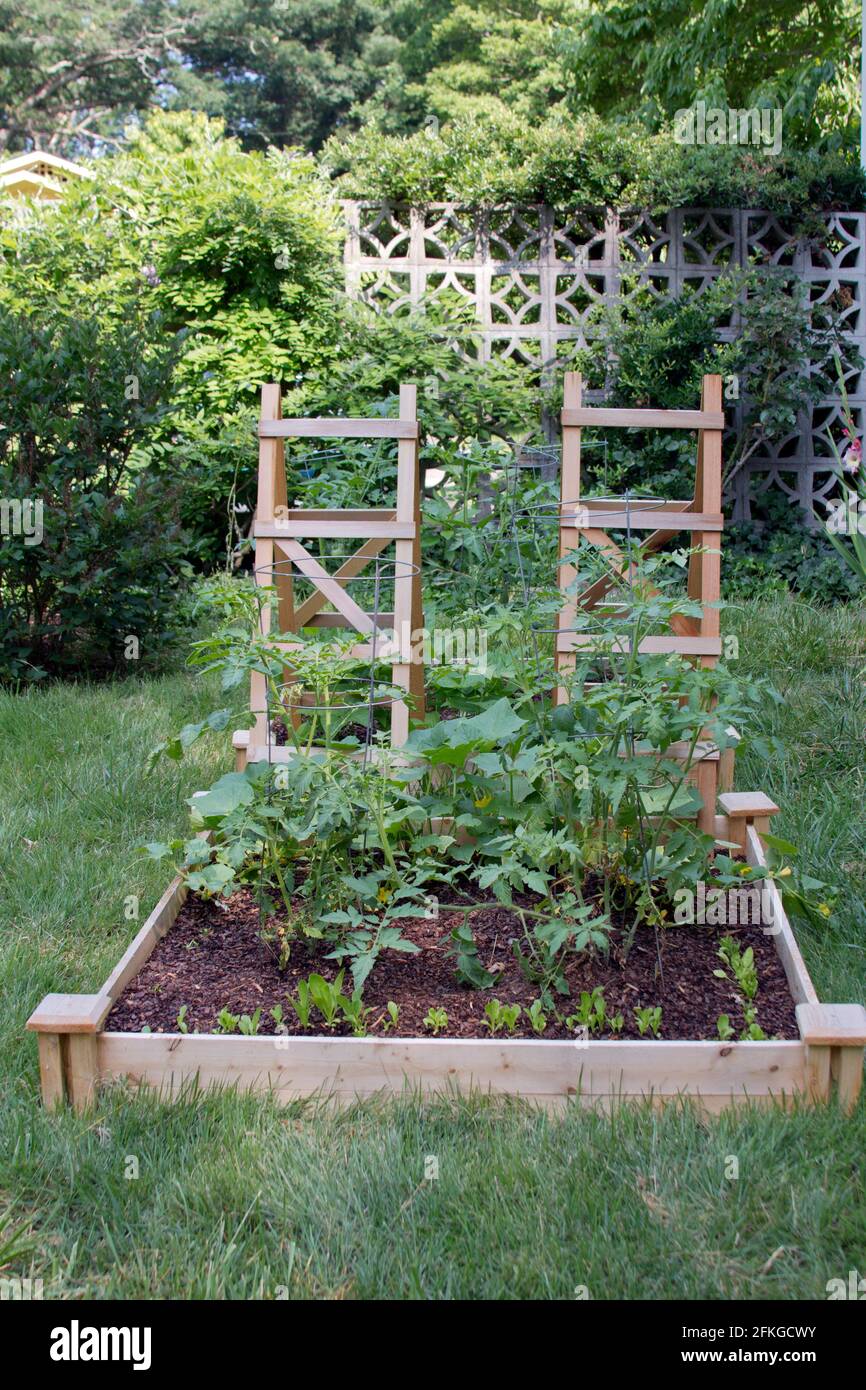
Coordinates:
x,y
349,1068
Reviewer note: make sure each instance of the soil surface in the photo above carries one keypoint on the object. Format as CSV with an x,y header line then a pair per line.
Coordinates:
x,y
214,958
358,731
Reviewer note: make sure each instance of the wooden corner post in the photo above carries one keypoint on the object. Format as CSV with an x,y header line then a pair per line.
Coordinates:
x,y
835,1037
67,1026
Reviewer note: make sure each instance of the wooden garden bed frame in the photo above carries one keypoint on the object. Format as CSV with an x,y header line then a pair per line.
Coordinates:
x,y
77,1054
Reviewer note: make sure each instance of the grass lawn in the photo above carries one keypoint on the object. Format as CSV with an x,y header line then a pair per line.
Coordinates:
x,y
237,1198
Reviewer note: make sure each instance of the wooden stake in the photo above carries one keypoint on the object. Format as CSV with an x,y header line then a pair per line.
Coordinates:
x,y
271,495
705,570
407,486
569,532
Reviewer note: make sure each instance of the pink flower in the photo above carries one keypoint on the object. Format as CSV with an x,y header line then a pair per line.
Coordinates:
x,y
853,455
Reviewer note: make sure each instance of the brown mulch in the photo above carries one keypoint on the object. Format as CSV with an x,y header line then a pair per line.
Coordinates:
x,y
214,958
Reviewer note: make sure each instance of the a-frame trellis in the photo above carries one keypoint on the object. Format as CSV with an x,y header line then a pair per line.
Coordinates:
x,y
701,515
281,533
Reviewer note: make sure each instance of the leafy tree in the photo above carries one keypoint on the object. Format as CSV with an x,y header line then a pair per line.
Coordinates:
x,y
70,73
283,72
277,71
472,59
646,59
291,72
234,256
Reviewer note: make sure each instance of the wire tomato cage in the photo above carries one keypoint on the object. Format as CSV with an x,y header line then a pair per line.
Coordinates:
x,y
357,695
379,574
541,517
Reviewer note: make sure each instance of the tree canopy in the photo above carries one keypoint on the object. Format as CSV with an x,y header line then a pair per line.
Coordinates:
x,y
278,73
294,72
460,59
646,59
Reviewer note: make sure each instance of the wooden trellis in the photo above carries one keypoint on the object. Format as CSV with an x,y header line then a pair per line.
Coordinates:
x,y
281,532
700,515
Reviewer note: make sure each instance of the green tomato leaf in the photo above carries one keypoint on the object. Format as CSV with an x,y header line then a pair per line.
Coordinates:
x,y
226,795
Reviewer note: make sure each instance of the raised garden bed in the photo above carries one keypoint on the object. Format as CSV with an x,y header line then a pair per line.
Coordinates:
x,y
89,1040
572,824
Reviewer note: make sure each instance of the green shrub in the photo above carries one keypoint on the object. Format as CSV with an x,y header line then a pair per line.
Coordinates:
x,y
239,255
240,250
655,351
242,254
471,414
104,564
436,346
779,554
